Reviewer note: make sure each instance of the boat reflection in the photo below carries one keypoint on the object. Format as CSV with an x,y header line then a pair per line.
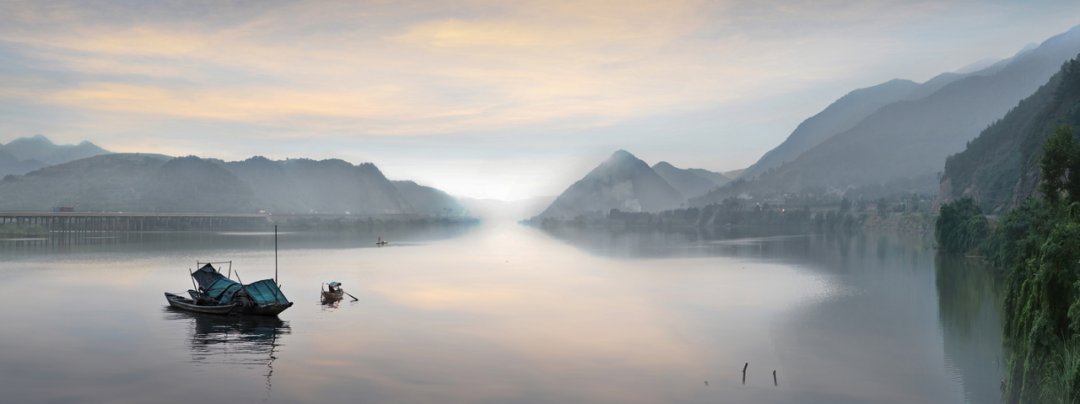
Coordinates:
x,y
246,341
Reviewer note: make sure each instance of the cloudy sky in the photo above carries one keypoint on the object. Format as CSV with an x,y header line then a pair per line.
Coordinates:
x,y
491,99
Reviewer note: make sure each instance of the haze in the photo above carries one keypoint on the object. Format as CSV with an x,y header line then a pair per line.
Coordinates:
x,y
481,99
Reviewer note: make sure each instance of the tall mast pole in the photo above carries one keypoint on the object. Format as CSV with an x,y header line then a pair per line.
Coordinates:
x,y
275,257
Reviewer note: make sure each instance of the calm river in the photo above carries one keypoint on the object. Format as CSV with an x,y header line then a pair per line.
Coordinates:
x,y
502,313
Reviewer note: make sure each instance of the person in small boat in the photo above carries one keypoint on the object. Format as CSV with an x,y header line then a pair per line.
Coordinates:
x,y
334,287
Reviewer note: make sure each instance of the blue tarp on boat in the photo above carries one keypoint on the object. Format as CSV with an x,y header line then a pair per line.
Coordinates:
x,y
215,285
265,292
222,290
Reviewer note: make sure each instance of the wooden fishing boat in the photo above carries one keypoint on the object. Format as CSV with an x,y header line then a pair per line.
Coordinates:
x,y
184,303
328,296
219,294
216,293
333,293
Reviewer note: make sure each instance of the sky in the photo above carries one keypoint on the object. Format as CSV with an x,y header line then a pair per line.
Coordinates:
x,y
484,99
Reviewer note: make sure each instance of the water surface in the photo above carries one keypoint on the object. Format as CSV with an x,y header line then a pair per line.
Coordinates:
x,y
502,313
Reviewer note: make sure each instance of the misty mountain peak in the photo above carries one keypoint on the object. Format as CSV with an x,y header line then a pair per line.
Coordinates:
x,y
27,154
621,182
663,165
36,140
621,155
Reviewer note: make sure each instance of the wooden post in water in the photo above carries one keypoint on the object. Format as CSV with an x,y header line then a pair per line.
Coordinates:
x,y
747,364
275,257
774,383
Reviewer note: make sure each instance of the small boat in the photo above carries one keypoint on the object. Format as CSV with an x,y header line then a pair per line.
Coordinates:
x,y
381,242
333,292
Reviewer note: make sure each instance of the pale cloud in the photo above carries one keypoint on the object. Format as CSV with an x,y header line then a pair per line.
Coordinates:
x,y
239,104
538,63
347,73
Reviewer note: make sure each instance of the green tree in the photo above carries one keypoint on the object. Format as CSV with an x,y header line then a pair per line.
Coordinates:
x,y
1072,183
961,226
1059,153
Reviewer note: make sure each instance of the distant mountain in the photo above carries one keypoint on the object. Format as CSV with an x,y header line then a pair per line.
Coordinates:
x,y
689,182
26,154
429,201
309,186
980,64
155,183
115,182
192,184
839,116
715,177
734,174
1000,168
10,164
622,182
903,145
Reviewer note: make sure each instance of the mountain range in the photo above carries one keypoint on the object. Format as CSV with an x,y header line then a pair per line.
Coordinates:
x,y
627,183
157,183
690,182
1000,168
27,154
898,134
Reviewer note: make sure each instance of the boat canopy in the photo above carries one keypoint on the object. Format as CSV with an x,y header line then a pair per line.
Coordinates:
x,y
222,289
265,292
215,285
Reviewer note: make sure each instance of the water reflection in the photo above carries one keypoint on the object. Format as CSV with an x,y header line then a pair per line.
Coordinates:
x,y
969,302
246,341
507,314
639,243
890,299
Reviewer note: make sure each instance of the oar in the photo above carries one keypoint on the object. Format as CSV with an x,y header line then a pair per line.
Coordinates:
x,y
350,295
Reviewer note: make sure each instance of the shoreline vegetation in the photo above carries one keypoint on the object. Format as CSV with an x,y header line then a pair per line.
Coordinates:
x,y
906,216
1034,248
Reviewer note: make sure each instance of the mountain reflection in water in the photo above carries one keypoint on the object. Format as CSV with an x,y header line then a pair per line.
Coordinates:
x,y
886,289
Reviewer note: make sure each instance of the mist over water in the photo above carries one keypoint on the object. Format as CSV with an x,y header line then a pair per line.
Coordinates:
x,y
503,313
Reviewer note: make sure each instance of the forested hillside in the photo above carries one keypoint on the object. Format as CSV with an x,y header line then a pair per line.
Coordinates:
x,y
1000,168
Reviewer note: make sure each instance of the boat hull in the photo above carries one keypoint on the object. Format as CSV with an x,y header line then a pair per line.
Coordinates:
x,y
264,310
184,303
332,296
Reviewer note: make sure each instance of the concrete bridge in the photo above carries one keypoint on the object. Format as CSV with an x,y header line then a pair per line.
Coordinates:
x,y
145,221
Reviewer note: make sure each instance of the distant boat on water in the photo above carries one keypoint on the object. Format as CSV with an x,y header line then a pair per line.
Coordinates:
x,y
381,242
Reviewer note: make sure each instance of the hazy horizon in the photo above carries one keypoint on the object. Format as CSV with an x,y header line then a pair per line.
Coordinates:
x,y
482,100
